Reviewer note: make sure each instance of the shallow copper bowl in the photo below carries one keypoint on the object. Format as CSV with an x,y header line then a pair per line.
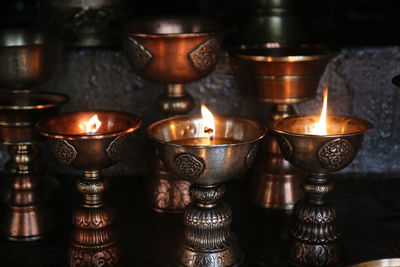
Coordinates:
x,y
320,154
27,57
171,50
20,111
81,151
395,262
206,164
279,73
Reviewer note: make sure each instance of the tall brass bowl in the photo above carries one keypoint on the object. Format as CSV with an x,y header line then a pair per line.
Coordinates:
x,y
313,236
90,153
282,75
208,240
25,218
27,57
172,51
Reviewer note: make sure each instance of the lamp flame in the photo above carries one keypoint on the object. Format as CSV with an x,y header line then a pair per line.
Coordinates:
x,y
93,124
320,128
208,122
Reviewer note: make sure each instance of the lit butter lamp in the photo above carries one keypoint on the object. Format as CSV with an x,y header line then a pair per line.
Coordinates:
x,y
207,151
90,141
319,145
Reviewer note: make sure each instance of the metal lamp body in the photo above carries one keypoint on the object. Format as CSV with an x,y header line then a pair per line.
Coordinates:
x,y
313,236
281,74
171,51
26,217
208,239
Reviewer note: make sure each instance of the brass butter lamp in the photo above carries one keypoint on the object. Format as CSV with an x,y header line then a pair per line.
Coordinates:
x,y
171,51
90,141
281,75
319,146
207,162
25,217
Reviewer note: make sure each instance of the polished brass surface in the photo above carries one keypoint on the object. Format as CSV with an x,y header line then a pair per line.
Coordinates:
x,y
175,100
25,217
28,57
396,80
171,50
20,111
395,262
313,236
279,73
90,152
208,240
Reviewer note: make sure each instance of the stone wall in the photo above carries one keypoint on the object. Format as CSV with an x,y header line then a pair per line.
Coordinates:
x,y
359,81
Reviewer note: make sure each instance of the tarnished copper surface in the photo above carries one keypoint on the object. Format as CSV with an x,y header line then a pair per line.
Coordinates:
x,y
314,239
208,239
279,73
28,57
20,111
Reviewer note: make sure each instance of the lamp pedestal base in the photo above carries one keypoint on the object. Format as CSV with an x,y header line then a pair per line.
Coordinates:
x,y
208,240
314,239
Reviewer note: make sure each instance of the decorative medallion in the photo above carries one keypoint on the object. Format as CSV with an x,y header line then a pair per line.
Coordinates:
x,y
251,156
336,154
285,146
189,166
117,147
63,150
138,55
204,57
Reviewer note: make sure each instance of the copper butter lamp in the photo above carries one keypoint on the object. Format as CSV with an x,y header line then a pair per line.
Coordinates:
x,y
90,141
171,51
318,145
207,152
25,217
28,58
281,75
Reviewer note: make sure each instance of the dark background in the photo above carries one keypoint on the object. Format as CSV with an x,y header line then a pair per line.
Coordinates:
x,y
339,22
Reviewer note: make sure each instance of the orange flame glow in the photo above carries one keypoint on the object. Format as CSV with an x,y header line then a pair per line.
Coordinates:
x,y
208,122
93,124
320,128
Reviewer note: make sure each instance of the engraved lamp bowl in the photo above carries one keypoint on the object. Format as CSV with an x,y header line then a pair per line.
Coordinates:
x,y
20,111
320,154
206,164
171,50
281,73
27,57
81,151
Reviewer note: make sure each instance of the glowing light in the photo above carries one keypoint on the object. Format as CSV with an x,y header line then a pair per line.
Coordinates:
x,y
93,124
320,128
208,122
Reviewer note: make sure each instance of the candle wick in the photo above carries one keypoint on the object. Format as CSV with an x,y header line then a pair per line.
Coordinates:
x,y
210,132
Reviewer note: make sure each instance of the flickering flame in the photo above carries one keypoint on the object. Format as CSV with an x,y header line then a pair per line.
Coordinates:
x,y
93,124
320,128
208,122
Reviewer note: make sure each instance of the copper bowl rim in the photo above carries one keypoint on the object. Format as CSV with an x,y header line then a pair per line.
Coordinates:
x,y
368,126
295,58
63,99
378,263
135,121
117,26
188,116
52,40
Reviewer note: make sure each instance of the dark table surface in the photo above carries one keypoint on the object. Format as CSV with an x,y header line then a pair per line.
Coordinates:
x,y
368,209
